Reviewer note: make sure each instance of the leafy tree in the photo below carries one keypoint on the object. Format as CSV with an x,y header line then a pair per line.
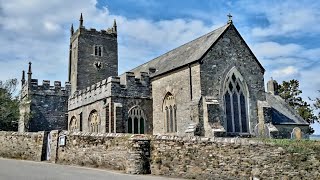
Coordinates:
x,y
290,92
317,105
9,106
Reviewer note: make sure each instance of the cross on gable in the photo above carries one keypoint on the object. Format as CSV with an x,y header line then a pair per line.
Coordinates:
x,y
230,18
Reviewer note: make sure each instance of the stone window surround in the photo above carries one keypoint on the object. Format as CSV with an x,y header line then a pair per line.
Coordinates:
x,y
94,122
138,113
73,125
244,89
170,113
98,50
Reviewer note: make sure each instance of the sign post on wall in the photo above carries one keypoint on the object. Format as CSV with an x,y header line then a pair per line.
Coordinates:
x,y
62,140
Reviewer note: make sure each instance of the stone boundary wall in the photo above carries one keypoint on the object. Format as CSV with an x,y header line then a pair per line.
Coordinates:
x,y
229,158
27,146
111,151
94,150
188,157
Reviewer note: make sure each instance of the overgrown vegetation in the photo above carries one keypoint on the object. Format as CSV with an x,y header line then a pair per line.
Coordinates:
x,y
9,106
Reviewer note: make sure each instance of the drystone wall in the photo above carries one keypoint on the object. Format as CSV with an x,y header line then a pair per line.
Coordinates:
x,y
229,158
27,146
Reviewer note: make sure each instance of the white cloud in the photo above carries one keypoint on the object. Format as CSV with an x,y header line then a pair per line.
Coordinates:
x,y
289,71
274,49
288,18
50,26
38,31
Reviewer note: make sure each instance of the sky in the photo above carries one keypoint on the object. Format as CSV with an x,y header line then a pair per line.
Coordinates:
x,y
284,35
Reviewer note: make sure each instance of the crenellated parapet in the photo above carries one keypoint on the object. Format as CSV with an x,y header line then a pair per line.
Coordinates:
x,y
46,89
92,31
127,86
112,31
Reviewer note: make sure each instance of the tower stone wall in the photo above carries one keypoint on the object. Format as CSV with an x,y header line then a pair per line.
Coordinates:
x,y
93,56
43,107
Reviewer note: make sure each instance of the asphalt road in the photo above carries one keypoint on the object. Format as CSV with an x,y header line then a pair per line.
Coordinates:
x,y
29,170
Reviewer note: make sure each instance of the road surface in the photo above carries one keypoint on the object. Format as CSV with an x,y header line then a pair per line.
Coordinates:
x,y
29,170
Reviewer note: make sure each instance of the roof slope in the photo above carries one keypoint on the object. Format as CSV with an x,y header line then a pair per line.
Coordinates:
x,y
282,113
183,55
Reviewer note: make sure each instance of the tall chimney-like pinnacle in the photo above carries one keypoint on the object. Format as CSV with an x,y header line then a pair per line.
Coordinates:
x,y
114,25
71,30
81,21
29,72
23,79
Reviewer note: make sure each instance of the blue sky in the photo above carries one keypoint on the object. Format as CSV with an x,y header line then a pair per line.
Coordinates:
x,y
284,35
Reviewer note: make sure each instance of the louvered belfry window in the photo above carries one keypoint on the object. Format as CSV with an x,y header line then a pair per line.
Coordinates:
x,y
235,105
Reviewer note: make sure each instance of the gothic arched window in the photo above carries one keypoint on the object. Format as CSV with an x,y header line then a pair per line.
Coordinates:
x,y
73,125
170,111
235,98
136,120
94,122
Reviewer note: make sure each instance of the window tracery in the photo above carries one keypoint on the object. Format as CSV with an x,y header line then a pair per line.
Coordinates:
x,y
235,104
136,120
94,122
170,111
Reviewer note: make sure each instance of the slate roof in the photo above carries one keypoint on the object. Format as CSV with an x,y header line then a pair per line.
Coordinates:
x,y
183,55
282,113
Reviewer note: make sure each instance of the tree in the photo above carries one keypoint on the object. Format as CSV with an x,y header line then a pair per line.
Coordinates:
x,y
317,105
290,92
9,106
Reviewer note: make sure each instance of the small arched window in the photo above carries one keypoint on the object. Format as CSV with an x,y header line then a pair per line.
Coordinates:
x,y
235,98
73,125
136,120
170,113
94,122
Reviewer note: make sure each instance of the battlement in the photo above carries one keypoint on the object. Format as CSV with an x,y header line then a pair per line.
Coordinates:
x,y
127,86
92,31
109,31
46,89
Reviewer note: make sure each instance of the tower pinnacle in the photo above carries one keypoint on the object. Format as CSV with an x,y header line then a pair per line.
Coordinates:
x,y
71,30
29,72
81,21
114,25
29,69
23,79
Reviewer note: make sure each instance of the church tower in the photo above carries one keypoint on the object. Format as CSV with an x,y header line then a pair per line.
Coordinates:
x,y
93,55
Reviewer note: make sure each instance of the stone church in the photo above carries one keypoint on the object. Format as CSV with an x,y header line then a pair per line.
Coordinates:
x,y
211,86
